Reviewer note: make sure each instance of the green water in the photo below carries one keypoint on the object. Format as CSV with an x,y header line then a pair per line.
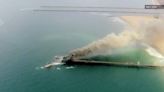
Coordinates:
x,y
135,55
30,40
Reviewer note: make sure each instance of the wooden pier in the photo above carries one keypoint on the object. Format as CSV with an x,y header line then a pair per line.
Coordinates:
x,y
115,64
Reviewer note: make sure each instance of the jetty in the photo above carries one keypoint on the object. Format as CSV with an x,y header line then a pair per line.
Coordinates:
x,y
115,64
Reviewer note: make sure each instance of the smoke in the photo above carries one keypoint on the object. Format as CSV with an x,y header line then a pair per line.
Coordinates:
x,y
144,31
154,34
110,42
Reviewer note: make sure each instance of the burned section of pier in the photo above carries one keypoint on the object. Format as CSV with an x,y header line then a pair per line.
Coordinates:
x,y
74,61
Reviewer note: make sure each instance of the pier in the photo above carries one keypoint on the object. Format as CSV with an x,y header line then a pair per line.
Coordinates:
x,y
115,64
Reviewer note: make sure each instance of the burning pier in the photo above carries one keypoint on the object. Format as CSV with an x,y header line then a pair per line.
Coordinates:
x,y
72,61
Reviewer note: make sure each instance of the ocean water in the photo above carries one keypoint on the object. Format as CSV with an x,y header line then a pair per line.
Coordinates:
x,y
126,55
29,40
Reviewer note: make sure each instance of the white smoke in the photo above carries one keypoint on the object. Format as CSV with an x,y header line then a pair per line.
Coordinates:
x,y
110,42
148,31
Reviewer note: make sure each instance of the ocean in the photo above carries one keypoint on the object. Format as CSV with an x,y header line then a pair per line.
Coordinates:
x,y
29,40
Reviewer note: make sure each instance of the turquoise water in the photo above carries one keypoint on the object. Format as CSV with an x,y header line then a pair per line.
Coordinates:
x,y
30,40
125,55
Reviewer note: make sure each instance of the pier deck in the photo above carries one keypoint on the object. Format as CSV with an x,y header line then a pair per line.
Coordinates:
x,y
116,64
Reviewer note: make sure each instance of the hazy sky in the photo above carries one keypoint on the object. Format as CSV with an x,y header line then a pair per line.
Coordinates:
x,y
123,3
36,3
9,8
